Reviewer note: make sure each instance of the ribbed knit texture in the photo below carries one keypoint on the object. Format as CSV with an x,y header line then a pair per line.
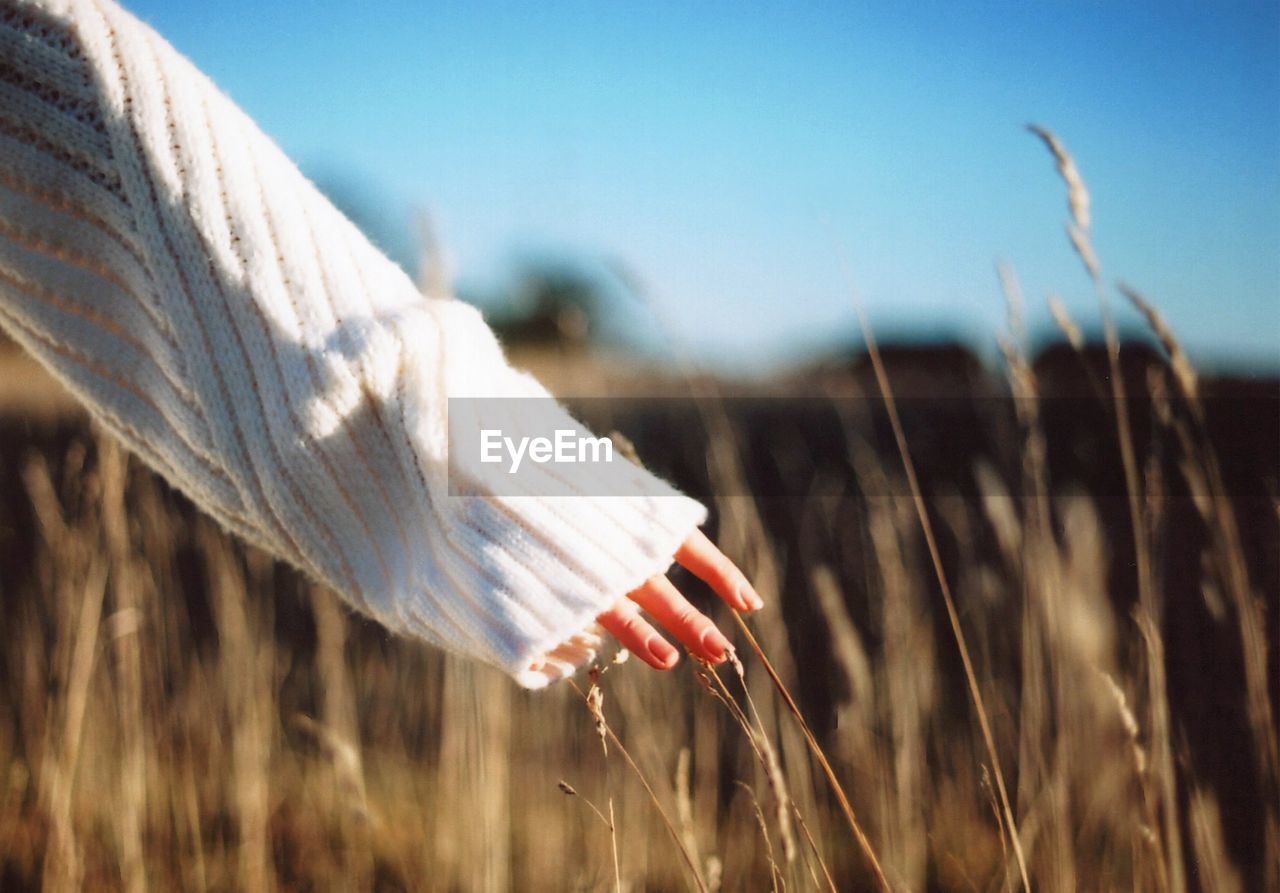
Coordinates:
x,y
167,262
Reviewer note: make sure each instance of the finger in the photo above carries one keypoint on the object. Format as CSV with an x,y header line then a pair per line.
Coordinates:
x,y
710,565
624,623
695,630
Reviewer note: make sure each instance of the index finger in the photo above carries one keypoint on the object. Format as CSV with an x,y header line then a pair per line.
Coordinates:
x,y
709,564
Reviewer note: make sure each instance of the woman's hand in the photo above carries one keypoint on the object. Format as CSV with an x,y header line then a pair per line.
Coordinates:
x,y
672,611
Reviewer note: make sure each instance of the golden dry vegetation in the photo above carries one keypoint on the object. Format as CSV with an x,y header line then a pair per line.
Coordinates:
x,y
1006,678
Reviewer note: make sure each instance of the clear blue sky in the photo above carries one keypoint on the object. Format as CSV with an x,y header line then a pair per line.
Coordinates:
x,y
715,148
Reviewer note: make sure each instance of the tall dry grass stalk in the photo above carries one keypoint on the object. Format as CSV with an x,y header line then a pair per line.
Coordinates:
x,y
1148,596
953,617
1203,473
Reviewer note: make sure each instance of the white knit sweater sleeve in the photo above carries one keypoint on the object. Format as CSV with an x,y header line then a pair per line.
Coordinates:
x,y
166,261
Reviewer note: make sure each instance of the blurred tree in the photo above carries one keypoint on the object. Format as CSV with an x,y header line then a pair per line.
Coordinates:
x,y
552,302
555,300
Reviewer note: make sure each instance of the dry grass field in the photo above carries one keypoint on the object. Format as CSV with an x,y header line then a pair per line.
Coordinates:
x,y
1025,653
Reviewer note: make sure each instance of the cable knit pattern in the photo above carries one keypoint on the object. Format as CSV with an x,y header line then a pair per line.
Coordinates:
x,y
166,261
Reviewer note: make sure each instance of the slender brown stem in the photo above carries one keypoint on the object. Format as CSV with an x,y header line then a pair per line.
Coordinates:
x,y
813,845
881,881
666,820
909,468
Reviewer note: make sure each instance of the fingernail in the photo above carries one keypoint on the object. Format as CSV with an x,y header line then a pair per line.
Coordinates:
x,y
749,597
715,644
663,651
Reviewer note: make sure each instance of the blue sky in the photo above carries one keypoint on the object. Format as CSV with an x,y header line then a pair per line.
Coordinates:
x,y
722,150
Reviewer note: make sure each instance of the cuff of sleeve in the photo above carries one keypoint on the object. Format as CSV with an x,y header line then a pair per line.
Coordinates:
x,y
525,577
553,564
567,641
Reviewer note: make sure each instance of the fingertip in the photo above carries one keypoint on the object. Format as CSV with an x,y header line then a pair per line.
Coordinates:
x,y
715,646
701,557
748,596
663,652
